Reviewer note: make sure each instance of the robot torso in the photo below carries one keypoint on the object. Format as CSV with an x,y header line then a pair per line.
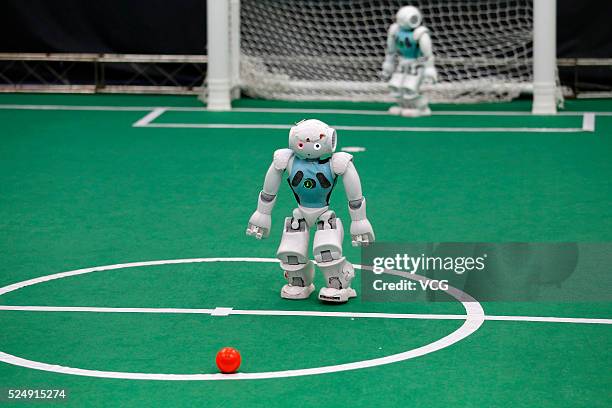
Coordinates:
x,y
407,47
312,181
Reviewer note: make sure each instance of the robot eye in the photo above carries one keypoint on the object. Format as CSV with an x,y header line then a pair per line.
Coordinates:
x,y
300,145
317,146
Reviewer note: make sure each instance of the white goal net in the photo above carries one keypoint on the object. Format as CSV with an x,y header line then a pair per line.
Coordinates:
x,y
333,50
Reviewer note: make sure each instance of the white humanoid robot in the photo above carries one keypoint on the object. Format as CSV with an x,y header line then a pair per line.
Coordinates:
x,y
313,168
409,61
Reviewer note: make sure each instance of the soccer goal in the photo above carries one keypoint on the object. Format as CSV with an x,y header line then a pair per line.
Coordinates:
x,y
486,50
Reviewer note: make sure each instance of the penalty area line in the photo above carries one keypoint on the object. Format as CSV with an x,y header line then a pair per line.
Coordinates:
x,y
226,311
149,117
588,122
367,128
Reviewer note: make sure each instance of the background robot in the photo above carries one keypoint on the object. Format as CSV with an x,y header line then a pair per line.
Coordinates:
x,y
408,62
312,177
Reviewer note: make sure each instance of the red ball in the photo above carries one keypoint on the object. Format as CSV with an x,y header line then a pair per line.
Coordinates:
x,y
228,360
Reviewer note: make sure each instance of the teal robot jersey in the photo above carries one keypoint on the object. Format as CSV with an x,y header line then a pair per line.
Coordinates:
x,y
312,181
407,47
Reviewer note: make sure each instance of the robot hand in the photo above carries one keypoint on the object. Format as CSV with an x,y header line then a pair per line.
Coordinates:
x,y
362,233
259,225
431,75
387,70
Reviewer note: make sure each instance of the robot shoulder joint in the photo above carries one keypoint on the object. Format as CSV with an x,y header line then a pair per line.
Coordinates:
x,y
340,162
393,29
281,158
420,31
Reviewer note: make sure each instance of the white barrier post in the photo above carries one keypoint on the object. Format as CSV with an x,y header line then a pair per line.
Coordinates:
x,y
544,57
235,48
219,73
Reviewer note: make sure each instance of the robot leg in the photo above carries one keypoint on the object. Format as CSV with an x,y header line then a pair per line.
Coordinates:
x,y
293,254
395,89
337,270
413,103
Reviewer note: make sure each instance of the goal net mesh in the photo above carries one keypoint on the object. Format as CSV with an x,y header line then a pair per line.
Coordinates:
x,y
333,50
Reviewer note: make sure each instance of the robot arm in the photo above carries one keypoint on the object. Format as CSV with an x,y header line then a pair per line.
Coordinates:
x,y
261,220
361,229
391,52
421,34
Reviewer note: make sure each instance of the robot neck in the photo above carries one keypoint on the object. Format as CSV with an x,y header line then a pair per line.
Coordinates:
x,y
315,159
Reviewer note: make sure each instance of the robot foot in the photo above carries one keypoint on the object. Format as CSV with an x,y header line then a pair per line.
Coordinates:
x,y
414,113
395,110
297,292
336,295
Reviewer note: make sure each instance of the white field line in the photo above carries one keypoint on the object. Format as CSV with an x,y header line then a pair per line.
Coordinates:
x,y
157,112
221,311
368,128
276,110
226,311
474,318
61,275
149,117
79,108
218,126
588,122
549,319
353,149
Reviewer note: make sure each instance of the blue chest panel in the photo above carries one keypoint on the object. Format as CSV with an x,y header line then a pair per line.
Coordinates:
x,y
406,45
312,182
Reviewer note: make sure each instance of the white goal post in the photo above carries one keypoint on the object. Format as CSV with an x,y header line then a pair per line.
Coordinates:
x,y
486,50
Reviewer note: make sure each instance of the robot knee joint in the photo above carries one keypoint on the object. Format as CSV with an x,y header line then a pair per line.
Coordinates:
x,y
327,245
293,249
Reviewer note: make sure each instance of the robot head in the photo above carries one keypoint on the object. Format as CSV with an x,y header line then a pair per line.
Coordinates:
x,y
408,17
312,139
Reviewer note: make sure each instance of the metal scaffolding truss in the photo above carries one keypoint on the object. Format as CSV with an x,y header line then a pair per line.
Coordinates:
x,y
103,73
